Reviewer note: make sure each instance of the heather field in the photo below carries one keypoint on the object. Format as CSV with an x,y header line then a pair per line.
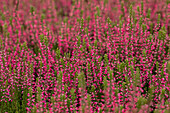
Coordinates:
x,y
84,56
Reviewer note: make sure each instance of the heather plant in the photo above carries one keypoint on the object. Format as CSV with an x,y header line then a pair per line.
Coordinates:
x,y
84,56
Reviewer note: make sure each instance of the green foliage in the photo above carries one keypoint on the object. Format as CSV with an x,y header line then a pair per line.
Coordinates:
x,y
162,33
42,17
32,9
106,59
95,43
149,13
137,77
105,2
65,20
144,27
58,54
141,101
109,20
105,83
79,41
73,95
60,77
159,18
130,12
141,7
98,11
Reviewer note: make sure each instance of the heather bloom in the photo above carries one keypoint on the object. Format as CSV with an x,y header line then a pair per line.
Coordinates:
x,y
84,56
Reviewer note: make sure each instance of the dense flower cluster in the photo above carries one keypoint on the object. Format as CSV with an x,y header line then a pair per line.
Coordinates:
x,y
96,56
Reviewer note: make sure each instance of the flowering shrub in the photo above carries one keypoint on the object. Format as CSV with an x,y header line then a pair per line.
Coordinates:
x,y
84,56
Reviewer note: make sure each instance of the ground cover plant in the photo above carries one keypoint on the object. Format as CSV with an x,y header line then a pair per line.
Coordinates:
x,y
96,56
